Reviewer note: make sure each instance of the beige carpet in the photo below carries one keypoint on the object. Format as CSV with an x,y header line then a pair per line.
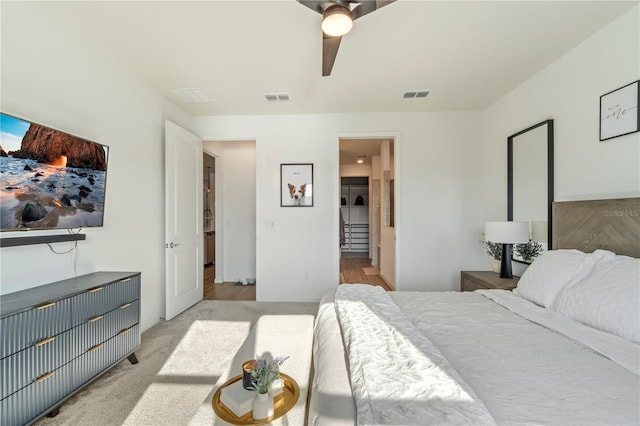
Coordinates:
x,y
180,361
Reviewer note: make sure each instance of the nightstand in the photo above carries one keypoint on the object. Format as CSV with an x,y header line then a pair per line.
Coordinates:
x,y
474,280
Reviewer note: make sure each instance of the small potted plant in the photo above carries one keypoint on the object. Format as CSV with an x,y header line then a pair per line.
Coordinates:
x,y
263,375
494,250
528,251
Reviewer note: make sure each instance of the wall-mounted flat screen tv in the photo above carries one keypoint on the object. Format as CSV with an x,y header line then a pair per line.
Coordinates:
x,y
49,179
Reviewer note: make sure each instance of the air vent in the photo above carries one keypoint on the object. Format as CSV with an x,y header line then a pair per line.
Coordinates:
x,y
191,95
277,97
415,94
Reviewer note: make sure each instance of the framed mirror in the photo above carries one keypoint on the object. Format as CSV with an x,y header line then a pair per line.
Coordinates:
x,y
530,180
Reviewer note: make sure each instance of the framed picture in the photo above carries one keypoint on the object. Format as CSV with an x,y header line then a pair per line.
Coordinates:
x,y
619,113
296,185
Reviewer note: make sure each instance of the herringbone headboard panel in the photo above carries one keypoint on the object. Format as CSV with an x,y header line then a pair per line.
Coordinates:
x,y
598,224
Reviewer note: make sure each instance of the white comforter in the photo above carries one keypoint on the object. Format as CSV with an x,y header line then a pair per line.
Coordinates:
x,y
523,373
397,375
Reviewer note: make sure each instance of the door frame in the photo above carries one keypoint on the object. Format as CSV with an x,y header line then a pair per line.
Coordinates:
x,y
397,155
218,214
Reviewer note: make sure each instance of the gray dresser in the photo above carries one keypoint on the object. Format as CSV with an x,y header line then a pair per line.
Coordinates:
x,y
57,338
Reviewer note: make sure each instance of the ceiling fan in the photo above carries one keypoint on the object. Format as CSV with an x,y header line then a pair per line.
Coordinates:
x,y
337,20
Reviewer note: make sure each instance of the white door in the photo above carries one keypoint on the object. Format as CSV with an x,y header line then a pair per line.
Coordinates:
x,y
183,221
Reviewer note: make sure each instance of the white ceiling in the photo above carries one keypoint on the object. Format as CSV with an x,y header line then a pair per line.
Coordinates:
x,y
468,54
351,149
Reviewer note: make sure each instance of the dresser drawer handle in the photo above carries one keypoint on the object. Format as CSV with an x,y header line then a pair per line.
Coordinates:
x,y
45,376
95,290
125,281
95,348
125,331
45,341
94,319
125,306
46,305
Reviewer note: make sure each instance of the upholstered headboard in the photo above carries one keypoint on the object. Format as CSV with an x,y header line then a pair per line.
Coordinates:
x,y
598,224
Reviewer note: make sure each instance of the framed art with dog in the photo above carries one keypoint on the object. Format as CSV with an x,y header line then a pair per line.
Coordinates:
x,y
296,185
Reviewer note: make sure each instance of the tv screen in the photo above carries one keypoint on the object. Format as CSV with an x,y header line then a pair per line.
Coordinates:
x,y
49,179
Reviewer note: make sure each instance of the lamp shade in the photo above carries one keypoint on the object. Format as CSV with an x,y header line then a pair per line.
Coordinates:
x,y
337,21
506,232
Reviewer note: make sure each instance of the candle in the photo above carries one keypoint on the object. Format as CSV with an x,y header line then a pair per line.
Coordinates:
x,y
247,368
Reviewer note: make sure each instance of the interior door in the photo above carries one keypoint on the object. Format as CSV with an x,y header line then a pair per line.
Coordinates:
x,y
183,221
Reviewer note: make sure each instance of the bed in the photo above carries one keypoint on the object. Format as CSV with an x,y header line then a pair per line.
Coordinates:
x,y
561,349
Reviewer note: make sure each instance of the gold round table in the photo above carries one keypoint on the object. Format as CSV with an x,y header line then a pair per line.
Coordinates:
x,y
281,403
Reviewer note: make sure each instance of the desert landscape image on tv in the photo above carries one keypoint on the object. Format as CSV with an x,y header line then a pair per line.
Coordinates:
x,y
49,179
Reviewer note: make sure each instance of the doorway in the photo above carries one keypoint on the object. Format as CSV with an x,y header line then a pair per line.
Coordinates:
x,y
231,273
367,230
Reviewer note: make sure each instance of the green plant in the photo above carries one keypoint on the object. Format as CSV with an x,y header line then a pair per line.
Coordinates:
x,y
265,372
528,251
493,249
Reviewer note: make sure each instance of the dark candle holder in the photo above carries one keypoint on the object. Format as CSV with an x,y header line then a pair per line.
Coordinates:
x,y
247,368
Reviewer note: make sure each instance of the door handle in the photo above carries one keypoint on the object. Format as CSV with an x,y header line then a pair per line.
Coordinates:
x,y
172,245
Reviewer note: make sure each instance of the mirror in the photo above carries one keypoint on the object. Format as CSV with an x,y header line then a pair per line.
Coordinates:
x,y
530,179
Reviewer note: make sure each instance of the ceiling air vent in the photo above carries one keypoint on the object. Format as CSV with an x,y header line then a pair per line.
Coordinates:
x,y
277,96
415,94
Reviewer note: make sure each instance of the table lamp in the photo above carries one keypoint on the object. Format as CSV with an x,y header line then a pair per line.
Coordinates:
x,y
506,233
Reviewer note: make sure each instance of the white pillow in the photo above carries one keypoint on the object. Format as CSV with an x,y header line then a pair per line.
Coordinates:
x,y
552,271
608,299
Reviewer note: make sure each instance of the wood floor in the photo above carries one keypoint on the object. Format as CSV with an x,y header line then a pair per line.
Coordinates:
x,y
355,268
225,291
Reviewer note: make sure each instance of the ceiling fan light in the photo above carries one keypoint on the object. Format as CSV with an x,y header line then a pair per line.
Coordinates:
x,y
337,21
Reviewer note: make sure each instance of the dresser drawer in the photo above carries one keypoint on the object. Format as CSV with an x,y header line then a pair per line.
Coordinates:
x,y
479,280
101,328
95,360
37,398
470,285
26,328
103,299
24,367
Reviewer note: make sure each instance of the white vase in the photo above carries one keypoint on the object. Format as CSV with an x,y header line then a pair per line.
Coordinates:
x,y
495,264
262,406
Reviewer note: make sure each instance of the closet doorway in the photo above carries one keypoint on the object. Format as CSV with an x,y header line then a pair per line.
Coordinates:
x,y
367,235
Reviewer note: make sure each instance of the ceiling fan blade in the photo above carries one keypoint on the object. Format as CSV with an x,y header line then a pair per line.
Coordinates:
x,y
314,5
330,47
365,7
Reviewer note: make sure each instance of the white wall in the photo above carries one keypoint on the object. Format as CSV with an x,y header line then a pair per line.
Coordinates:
x,y
569,91
355,170
297,258
61,80
387,232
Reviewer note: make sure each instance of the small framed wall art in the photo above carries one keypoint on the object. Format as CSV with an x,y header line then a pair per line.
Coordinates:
x,y
619,113
296,185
